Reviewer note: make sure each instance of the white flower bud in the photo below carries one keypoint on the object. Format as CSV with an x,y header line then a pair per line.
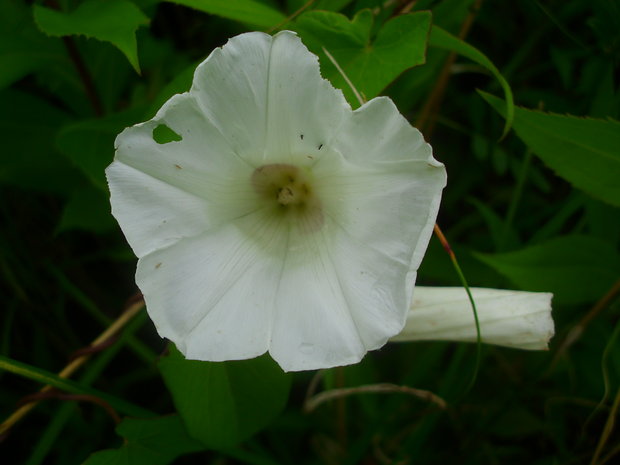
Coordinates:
x,y
507,318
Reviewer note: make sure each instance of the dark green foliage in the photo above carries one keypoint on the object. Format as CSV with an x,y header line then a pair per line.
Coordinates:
x,y
535,210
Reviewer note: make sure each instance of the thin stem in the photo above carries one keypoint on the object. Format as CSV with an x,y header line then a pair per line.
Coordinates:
x,y
288,19
358,96
576,332
91,372
140,349
80,67
607,430
459,272
55,381
60,381
85,76
312,403
426,120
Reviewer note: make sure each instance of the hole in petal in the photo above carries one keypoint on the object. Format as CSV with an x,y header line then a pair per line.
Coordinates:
x,y
162,134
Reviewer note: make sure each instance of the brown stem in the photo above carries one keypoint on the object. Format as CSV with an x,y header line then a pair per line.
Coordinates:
x,y
428,115
56,394
576,332
80,67
291,17
85,76
131,311
318,399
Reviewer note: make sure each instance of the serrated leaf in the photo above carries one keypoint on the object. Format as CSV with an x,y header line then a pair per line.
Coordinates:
x,y
114,21
441,38
23,48
245,11
577,269
224,403
371,65
157,441
584,151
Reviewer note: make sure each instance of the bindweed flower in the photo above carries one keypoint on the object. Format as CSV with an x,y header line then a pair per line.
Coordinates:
x,y
507,318
282,220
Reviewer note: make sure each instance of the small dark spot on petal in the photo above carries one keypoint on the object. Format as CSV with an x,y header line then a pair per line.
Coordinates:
x,y
179,167
301,136
158,265
320,146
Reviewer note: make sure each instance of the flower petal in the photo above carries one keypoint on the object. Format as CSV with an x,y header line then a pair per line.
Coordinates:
x,y
312,326
213,294
304,110
231,89
390,187
266,96
317,269
153,214
507,318
147,180
376,288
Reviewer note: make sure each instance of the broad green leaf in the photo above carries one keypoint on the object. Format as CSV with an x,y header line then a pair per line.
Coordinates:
x,y
88,208
28,158
577,269
89,144
245,11
441,38
224,403
330,5
156,441
114,21
584,151
371,65
23,48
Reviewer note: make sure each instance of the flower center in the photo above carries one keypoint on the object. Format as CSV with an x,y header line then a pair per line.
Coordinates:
x,y
289,189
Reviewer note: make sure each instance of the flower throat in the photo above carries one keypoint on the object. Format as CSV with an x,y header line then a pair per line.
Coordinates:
x,y
289,190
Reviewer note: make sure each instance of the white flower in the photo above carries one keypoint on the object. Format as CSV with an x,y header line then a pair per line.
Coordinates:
x,y
282,221
507,318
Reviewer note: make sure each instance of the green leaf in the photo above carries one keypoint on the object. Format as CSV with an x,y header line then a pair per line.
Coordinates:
x,y
224,403
584,151
89,144
370,64
87,209
23,48
25,160
156,441
245,11
114,21
441,38
500,234
577,269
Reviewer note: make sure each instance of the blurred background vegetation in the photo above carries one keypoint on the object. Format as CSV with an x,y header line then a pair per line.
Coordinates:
x,y
514,218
